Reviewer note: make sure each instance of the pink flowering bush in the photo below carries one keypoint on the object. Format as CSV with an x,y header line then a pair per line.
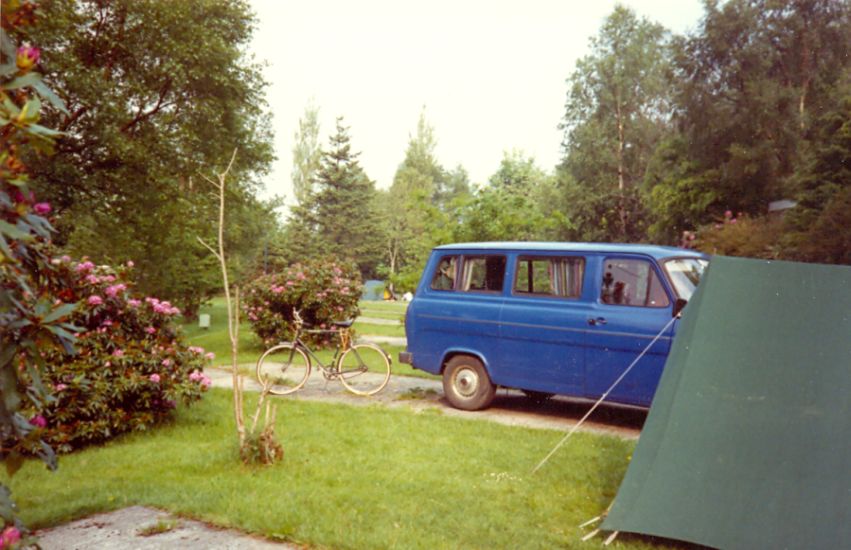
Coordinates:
x,y
322,290
131,368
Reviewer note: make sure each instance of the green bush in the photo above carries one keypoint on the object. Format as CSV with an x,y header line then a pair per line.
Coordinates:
x,y
742,236
322,290
131,367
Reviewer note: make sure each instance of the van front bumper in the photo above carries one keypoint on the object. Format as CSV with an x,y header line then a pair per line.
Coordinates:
x,y
406,357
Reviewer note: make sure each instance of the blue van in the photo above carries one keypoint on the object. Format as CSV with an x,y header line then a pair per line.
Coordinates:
x,y
547,318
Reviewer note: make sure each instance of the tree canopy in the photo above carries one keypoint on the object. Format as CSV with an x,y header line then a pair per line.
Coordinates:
x,y
156,92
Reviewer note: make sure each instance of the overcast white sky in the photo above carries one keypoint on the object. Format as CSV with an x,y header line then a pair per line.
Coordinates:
x,y
490,73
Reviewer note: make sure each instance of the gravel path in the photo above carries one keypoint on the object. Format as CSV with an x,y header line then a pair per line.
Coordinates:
x,y
510,407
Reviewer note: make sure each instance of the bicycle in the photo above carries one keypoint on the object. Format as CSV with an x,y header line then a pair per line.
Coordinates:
x,y
363,369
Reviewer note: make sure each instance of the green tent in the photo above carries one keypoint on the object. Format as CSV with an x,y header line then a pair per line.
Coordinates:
x,y
748,441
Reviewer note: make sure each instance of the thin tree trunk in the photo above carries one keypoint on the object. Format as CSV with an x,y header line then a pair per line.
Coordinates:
x,y
621,170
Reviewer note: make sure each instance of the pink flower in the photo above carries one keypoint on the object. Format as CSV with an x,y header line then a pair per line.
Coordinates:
x,y
205,381
112,291
728,214
151,330
290,283
59,387
10,537
95,300
27,56
66,259
195,375
166,362
733,220
210,356
118,353
92,279
84,267
130,263
134,303
196,349
38,421
155,378
42,208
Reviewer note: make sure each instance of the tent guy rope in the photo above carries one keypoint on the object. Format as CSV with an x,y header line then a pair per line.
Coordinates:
x,y
605,395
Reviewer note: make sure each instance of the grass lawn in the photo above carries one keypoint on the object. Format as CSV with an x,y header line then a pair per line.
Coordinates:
x,y
383,310
352,477
362,328
216,338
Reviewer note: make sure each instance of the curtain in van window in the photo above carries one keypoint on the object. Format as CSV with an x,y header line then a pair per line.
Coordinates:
x,y
483,273
550,276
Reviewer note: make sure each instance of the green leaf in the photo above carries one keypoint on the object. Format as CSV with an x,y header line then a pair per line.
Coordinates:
x,y
4,246
44,131
48,456
9,389
7,46
20,323
58,313
12,231
29,79
46,93
8,68
14,461
61,333
6,355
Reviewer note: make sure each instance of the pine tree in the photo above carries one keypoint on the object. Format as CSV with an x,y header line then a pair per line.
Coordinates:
x,y
345,218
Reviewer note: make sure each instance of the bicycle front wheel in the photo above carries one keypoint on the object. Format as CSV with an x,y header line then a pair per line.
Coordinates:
x,y
284,368
364,369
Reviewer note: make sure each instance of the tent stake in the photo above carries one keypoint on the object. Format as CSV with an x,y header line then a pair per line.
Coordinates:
x,y
611,538
590,535
605,395
590,522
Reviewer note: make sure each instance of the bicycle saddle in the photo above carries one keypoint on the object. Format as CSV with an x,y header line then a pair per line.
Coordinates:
x,y
344,324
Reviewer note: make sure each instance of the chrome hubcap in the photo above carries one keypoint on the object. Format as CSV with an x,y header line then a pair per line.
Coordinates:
x,y
466,382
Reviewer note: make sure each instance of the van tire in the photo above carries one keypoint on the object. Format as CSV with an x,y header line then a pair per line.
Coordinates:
x,y
466,384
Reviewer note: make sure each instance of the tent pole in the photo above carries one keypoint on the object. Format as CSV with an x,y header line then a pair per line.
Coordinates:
x,y
605,395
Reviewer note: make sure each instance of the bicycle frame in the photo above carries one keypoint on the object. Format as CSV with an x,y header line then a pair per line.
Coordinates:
x,y
332,370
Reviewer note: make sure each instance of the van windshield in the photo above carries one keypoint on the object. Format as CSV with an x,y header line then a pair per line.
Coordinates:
x,y
685,274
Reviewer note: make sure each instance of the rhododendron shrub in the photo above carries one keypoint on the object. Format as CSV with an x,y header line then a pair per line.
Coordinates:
x,y
322,290
132,366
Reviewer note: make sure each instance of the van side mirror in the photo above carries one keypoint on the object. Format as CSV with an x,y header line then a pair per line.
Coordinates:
x,y
679,305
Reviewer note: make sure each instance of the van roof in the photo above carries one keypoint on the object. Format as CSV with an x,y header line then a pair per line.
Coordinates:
x,y
655,251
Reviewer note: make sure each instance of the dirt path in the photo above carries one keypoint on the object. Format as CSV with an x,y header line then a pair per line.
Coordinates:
x,y
510,407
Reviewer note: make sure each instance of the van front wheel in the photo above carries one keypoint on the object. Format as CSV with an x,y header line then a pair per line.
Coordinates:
x,y
466,384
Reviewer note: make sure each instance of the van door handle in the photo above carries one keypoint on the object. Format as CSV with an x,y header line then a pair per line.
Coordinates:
x,y
598,321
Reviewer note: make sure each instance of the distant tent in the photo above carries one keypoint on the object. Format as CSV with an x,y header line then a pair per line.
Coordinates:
x,y
748,441
373,290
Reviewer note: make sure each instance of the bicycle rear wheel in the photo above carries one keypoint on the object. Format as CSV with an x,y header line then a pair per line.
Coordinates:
x,y
285,368
364,369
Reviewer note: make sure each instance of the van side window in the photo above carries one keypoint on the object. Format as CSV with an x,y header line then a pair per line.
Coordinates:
x,y
542,276
444,276
632,283
483,273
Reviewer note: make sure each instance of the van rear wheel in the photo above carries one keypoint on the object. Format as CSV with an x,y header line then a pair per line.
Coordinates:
x,y
466,384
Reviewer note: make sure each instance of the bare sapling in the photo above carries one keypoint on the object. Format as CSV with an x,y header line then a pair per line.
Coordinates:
x,y
254,447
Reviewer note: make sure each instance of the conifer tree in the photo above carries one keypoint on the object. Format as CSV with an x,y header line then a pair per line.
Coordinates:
x,y
345,218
